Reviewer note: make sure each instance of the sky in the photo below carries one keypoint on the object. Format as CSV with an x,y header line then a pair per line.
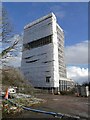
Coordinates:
x,y
71,16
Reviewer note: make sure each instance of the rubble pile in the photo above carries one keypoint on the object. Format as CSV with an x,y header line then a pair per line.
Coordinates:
x,y
20,100
8,108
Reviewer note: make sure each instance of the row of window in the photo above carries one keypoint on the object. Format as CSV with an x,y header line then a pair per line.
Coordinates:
x,y
60,34
60,56
62,74
35,55
63,82
38,59
49,61
39,42
32,61
58,29
61,62
60,50
62,71
62,67
60,45
33,25
60,40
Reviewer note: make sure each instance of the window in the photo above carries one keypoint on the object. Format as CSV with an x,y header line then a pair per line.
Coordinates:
x,y
48,79
32,61
47,71
39,42
48,61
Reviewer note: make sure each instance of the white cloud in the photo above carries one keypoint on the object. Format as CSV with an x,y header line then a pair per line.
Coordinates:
x,y
78,74
77,54
13,60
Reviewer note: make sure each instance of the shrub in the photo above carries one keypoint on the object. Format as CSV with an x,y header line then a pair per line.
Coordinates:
x,y
14,78
70,92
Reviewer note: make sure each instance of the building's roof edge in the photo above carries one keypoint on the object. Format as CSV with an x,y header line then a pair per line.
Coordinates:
x,y
67,79
60,27
39,20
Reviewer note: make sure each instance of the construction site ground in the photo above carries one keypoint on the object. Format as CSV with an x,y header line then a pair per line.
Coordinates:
x,y
72,105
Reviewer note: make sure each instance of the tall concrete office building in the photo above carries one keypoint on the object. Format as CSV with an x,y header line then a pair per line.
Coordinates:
x,y
43,55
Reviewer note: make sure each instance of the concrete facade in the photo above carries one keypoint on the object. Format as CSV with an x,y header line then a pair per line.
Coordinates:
x,y
43,53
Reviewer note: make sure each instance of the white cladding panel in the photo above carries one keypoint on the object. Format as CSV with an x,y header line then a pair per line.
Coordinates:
x,y
38,31
37,71
55,55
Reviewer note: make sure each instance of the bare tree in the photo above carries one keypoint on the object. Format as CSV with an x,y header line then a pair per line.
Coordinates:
x,y
7,28
6,33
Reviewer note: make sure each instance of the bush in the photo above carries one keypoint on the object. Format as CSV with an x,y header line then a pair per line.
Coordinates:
x,y
70,92
14,78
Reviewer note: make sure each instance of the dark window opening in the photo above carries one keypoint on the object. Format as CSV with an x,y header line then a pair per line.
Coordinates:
x,y
32,61
39,42
48,79
47,71
59,82
29,57
48,61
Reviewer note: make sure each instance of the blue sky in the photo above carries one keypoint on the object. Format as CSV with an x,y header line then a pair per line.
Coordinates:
x,y
72,17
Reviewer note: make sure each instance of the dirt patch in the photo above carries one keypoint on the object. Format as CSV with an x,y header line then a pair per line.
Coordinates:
x,y
75,106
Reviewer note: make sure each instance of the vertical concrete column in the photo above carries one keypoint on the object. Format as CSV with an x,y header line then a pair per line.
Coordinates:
x,y
55,53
